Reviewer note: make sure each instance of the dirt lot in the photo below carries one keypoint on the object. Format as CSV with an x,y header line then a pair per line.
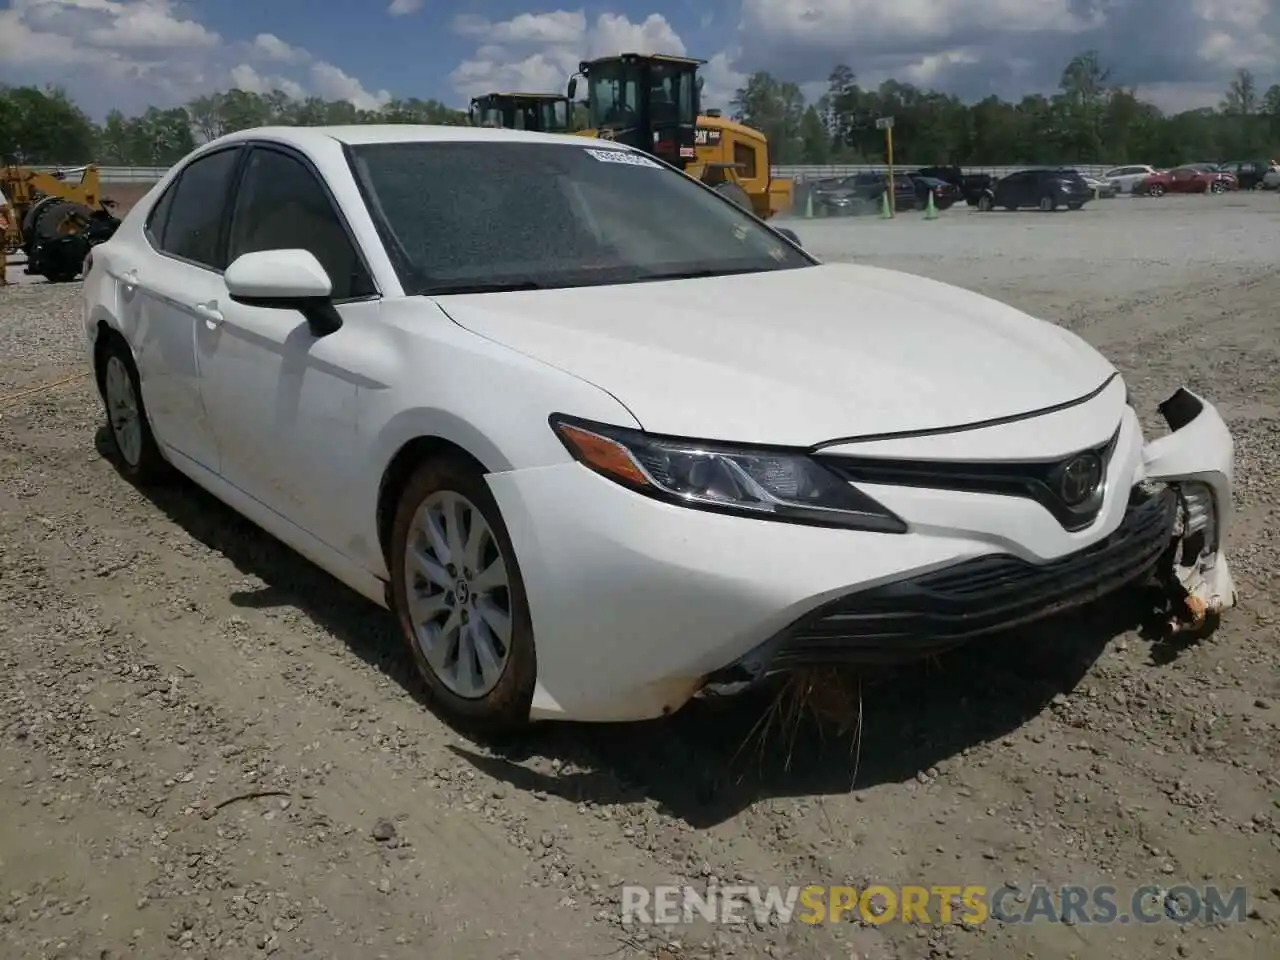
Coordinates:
x,y
202,738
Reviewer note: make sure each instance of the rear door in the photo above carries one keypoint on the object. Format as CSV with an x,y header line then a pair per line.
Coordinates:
x,y
165,298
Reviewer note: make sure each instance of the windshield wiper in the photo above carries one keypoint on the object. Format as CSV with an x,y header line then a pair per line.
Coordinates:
x,y
705,272
481,286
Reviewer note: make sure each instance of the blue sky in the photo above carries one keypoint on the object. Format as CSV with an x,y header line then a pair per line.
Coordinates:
x,y
131,53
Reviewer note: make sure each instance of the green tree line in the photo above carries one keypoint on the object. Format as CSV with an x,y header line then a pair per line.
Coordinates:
x,y
1089,120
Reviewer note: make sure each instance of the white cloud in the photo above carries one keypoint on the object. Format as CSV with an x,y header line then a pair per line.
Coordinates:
x,y
402,8
273,48
133,53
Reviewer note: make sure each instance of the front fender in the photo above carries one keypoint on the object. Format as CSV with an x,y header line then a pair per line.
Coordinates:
x,y
1197,458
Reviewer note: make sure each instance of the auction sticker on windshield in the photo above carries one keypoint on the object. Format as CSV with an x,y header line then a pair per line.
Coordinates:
x,y
623,156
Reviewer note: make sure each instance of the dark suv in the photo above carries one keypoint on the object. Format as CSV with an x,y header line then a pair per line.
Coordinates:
x,y
1048,189
1248,173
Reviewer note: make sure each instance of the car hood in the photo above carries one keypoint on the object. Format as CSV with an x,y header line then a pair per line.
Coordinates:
x,y
794,357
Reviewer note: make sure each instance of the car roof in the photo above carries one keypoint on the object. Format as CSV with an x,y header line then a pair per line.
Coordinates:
x,y
312,138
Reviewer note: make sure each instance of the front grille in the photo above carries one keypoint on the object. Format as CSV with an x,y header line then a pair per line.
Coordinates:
x,y
937,610
1037,480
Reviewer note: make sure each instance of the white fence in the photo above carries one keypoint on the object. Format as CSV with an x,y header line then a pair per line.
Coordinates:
x,y
152,174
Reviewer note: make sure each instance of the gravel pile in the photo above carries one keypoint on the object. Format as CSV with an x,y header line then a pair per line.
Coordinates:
x,y
207,749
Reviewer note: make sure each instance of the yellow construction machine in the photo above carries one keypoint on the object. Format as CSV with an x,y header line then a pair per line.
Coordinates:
x,y
54,219
540,112
653,102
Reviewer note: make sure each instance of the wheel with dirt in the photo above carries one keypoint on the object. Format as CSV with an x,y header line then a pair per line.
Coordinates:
x,y
59,219
459,597
731,191
1155,190
134,447
1048,204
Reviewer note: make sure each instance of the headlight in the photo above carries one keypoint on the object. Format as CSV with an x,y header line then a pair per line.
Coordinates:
x,y
770,484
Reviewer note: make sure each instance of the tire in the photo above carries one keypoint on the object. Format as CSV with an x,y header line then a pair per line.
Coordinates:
x,y
50,219
29,219
1155,190
499,704
133,446
1218,187
1048,204
731,191
985,203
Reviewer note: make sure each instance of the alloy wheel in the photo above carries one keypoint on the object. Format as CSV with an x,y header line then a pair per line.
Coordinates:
x,y
122,410
459,595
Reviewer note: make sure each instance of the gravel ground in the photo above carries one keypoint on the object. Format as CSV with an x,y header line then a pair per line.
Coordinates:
x,y
209,749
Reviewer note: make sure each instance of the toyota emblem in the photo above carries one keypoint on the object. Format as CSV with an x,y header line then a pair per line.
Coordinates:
x,y
1081,476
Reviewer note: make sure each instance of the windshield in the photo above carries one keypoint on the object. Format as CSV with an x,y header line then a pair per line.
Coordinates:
x,y
555,116
467,216
613,95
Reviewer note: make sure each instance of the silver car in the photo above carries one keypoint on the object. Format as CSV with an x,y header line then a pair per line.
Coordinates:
x,y
1126,179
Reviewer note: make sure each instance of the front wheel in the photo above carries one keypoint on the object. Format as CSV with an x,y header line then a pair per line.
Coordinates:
x,y
1218,187
457,592
1155,190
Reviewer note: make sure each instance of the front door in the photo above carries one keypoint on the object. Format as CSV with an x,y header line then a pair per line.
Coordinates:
x,y
282,401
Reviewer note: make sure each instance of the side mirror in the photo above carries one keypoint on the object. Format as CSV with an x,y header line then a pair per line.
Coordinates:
x,y
790,235
573,87
285,280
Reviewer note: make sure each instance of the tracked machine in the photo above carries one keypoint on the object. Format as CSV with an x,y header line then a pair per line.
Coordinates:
x,y
54,219
653,102
540,112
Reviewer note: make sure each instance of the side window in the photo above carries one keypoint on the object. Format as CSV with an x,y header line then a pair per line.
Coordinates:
x,y
745,154
197,208
159,215
282,206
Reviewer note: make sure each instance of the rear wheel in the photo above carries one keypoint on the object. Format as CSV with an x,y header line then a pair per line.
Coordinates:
x,y
136,452
458,594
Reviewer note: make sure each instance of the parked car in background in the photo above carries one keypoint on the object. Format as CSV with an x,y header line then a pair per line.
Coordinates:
x,y
970,185
1127,178
1047,188
861,193
1249,174
1272,179
1102,189
945,194
1193,178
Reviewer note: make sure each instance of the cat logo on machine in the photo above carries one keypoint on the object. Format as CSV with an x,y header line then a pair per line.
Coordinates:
x,y
706,137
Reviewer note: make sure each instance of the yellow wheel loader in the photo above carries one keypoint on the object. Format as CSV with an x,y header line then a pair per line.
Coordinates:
x,y
540,112
653,102
55,219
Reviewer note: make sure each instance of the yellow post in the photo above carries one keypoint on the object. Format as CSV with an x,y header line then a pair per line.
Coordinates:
x,y
893,198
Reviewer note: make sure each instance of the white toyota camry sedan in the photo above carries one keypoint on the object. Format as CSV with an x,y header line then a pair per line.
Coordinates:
x,y
601,440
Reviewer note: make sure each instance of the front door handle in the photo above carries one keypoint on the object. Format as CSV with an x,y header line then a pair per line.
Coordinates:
x,y
210,313
129,280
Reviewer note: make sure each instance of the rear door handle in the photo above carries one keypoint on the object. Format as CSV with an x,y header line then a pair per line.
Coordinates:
x,y
209,312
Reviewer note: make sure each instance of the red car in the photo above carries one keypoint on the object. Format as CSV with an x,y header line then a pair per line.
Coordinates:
x,y
1187,180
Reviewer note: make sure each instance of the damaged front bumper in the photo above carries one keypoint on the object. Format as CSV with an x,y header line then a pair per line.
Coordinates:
x,y
1172,534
